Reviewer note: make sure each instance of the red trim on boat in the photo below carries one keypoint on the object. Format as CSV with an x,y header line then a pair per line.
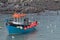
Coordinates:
x,y
33,24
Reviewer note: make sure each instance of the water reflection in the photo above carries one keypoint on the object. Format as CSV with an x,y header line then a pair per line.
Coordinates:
x,y
16,37
20,36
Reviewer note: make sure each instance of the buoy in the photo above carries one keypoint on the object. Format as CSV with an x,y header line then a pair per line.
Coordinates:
x,y
18,27
25,28
21,27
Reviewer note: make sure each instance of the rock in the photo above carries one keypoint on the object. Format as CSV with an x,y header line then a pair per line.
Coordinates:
x,y
32,10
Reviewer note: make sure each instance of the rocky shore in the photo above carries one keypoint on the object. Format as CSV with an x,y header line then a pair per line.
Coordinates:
x,y
35,6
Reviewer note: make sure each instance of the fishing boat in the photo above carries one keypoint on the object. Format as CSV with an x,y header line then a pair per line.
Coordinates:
x,y
15,26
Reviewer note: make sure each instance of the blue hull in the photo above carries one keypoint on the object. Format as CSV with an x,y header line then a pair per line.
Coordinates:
x,y
14,30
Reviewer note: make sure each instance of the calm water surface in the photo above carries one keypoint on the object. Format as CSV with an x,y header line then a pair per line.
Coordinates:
x,y
47,29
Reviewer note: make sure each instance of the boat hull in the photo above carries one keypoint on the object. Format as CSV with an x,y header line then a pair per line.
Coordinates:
x,y
14,30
